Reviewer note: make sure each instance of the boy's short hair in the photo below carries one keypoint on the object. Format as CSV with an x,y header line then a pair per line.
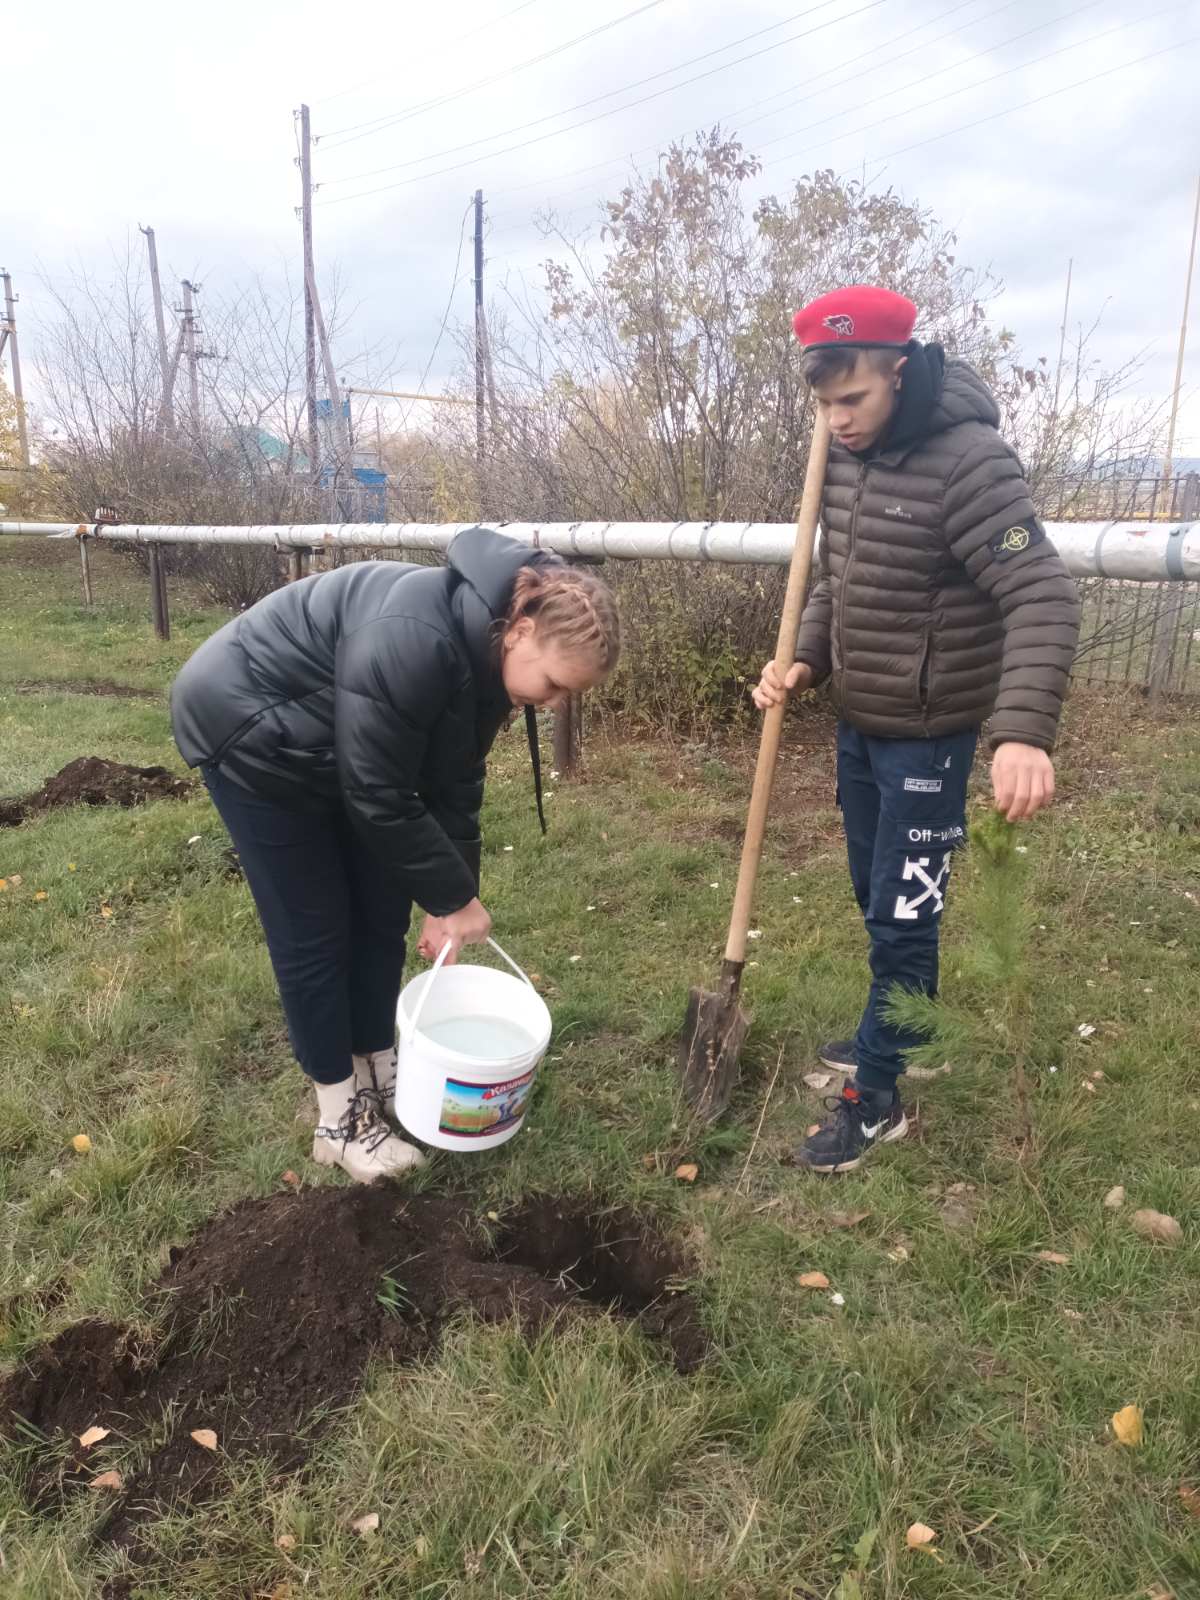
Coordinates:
x,y
827,361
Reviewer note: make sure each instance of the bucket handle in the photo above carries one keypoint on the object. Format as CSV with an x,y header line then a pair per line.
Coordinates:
x,y
408,1030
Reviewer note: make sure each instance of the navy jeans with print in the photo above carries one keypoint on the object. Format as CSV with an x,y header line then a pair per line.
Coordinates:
x,y
334,922
904,810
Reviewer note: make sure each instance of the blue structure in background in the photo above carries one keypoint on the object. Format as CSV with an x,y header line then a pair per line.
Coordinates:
x,y
362,495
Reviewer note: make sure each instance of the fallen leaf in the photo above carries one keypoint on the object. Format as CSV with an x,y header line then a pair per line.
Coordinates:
x,y
1157,1592
106,912
814,1128
286,1541
1156,1225
420,1547
813,1280
1054,1258
818,1080
1115,1198
93,1436
16,880
899,1255
3,885
1089,1086
367,1524
282,1591
1190,1498
41,895
1127,1426
81,1144
292,1179
687,1171
205,1437
1098,1075
108,1480
919,1537
847,1219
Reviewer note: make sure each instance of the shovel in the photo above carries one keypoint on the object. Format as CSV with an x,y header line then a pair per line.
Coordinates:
x,y
715,1025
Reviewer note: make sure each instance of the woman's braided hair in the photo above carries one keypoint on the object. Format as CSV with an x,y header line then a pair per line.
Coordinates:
x,y
570,607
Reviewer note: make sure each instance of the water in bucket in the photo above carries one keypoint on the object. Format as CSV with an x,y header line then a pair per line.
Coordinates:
x,y
486,1038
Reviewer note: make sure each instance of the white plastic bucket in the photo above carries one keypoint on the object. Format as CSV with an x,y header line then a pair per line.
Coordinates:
x,y
470,1042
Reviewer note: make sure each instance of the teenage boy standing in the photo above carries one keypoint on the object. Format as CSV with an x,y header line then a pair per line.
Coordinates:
x,y
940,603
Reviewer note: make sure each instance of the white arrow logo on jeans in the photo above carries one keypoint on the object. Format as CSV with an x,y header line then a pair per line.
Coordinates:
x,y
909,910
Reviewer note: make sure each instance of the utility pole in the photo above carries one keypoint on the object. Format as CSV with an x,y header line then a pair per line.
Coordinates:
x,y
1169,462
8,335
167,407
193,355
310,336
1062,338
480,342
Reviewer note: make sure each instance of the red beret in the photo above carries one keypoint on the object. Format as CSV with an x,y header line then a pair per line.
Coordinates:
x,y
858,317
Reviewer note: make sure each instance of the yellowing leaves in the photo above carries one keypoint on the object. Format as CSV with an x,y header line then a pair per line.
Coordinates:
x,y
1128,1426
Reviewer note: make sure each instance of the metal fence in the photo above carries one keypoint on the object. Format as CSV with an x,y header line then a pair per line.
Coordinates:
x,y
1140,634
1115,498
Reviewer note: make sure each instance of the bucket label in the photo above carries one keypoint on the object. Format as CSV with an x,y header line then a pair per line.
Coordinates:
x,y
479,1110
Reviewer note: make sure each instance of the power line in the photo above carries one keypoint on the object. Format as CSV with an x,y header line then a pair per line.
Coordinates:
x,y
969,88
450,44
582,105
377,124
1024,105
492,155
916,83
1122,66
462,234
874,50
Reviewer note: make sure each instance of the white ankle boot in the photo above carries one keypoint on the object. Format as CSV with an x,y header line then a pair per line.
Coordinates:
x,y
377,1072
352,1135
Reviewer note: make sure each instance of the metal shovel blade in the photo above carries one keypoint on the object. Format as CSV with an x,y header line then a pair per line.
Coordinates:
x,y
714,1030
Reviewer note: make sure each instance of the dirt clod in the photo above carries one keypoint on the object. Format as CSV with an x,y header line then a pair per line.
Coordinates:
x,y
268,1318
93,781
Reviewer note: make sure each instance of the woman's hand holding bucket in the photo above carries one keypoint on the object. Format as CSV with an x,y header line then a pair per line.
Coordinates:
x,y
471,925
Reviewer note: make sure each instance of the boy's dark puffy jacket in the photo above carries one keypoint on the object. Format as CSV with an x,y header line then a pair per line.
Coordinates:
x,y
376,687
941,602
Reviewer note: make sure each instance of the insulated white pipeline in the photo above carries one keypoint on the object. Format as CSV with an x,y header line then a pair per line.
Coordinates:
x,y
1132,551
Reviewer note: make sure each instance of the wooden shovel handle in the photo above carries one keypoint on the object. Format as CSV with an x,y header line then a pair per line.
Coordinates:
x,y
785,651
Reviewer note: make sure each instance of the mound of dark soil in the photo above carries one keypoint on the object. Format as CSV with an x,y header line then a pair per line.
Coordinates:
x,y
93,781
270,1316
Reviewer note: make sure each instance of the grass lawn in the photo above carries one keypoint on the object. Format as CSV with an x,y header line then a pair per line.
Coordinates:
x,y
966,1382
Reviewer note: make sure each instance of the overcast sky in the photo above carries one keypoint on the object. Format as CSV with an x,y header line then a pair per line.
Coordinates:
x,y
182,118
